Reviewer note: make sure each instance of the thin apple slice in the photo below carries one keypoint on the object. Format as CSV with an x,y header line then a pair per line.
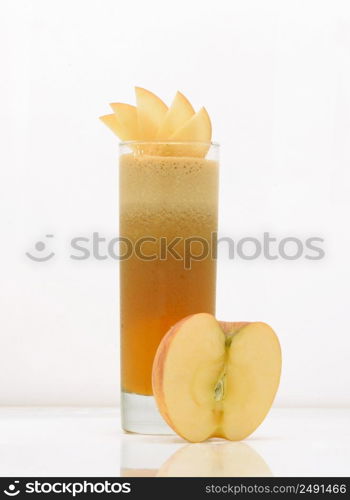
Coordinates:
x,y
127,118
252,378
117,128
196,130
214,379
151,111
179,113
187,363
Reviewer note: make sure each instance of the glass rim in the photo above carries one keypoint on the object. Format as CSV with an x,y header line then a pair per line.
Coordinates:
x,y
163,142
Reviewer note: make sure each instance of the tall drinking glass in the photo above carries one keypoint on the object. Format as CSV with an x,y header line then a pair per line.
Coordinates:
x,y
168,225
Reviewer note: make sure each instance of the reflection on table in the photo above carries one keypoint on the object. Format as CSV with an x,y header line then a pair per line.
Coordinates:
x,y
168,457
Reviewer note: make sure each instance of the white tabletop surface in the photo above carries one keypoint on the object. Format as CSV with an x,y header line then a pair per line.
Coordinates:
x,y
89,442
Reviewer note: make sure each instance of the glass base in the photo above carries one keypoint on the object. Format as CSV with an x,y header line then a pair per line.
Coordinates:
x,y
140,414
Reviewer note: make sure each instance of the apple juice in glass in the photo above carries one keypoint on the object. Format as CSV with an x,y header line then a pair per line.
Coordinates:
x,y
168,194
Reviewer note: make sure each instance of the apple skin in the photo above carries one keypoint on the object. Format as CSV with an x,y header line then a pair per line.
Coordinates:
x,y
230,328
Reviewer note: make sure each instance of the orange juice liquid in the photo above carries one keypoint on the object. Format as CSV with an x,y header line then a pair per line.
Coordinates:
x,y
163,198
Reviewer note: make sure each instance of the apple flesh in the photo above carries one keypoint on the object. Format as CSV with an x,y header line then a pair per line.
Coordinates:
x,y
127,117
114,124
196,130
151,111
216,379
177,115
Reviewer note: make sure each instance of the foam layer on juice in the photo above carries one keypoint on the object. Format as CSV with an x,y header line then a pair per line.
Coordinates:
x,y
166,195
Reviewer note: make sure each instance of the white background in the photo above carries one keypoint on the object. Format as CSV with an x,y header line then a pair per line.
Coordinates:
x,y
275,78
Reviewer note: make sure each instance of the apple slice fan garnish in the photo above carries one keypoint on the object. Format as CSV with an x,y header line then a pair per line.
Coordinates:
x,y
152,121
216,379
